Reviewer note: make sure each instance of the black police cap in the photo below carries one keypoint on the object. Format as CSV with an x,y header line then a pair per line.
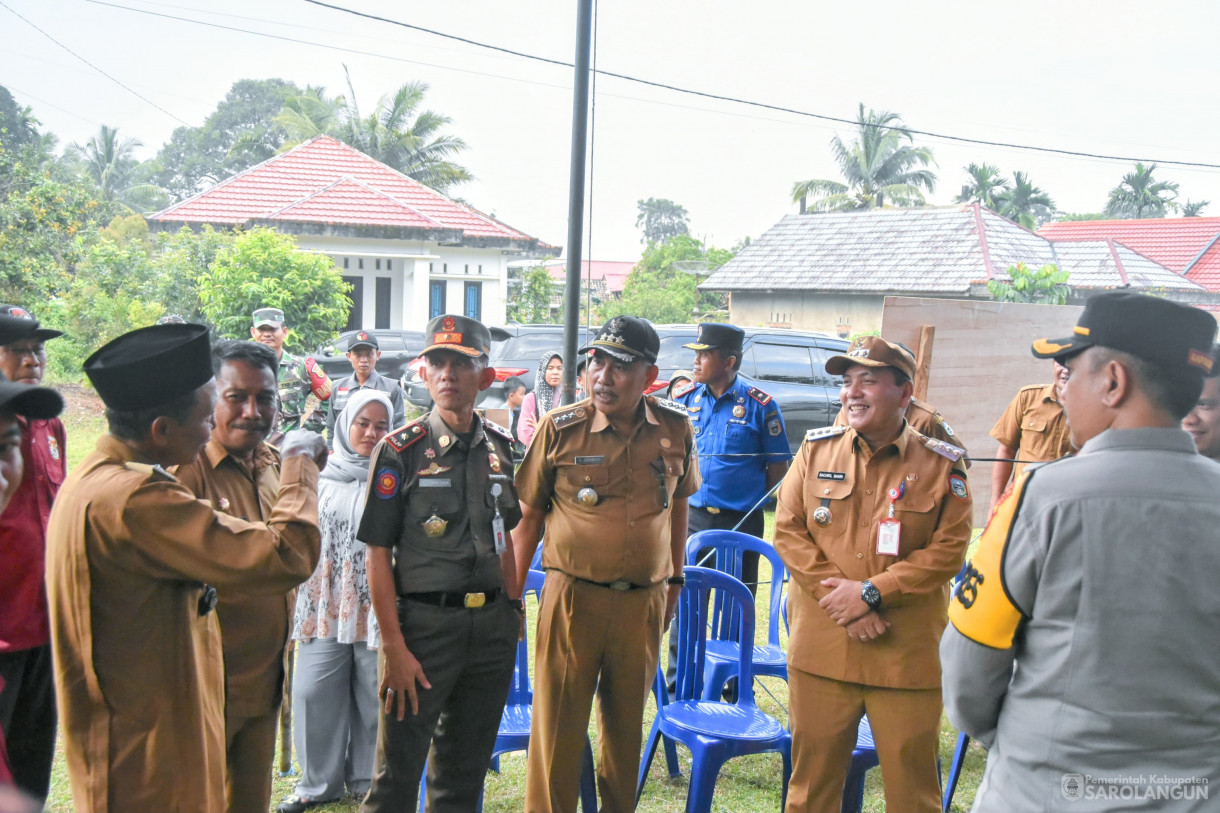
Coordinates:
x,y
627,338
714,334
16,323
151,366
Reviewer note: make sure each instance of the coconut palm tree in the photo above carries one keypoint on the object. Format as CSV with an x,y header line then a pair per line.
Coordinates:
x,y
878,166
985,183
109,162
1140,195
396,132
1025,203
1194,208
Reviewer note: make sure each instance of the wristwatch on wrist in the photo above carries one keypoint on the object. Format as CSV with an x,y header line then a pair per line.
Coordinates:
x,y
870,594
676,581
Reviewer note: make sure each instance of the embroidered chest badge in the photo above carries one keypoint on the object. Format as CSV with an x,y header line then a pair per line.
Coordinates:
x,y
53,447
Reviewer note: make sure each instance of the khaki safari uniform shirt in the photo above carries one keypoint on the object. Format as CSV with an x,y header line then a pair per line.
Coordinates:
x,y
139,671
625,535
836,470
424,475
1034,425
254,626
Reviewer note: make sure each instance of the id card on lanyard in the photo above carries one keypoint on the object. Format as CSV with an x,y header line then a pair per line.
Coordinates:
x,y
497,522
889,532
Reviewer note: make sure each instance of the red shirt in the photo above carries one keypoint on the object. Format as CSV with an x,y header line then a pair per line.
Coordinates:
x,y
23,537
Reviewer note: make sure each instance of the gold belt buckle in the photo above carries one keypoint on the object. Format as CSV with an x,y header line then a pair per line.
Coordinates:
x,y
620,585
711,509
475,600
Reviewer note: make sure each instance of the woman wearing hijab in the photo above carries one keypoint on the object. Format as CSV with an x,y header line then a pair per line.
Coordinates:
x,y
543,399
334,693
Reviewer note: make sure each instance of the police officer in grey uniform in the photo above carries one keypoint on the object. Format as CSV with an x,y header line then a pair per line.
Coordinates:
x,y
1096,578
437,517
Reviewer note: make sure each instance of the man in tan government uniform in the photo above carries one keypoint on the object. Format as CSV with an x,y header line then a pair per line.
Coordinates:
x,y
610,477
134,561
239,475
924,419
1033,429
869,597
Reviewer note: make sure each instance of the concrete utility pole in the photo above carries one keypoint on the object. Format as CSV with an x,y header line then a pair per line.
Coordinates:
x,y
576,197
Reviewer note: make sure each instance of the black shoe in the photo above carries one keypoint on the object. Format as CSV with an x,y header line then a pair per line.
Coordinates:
x,y
299,804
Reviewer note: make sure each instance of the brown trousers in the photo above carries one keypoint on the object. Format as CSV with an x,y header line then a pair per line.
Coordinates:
x,y
824,717
249,752
591,640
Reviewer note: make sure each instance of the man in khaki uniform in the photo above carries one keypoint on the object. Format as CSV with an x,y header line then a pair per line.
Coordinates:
x,y
437,518
610,477
239,475
1032,429
1203,422
872,521
131,555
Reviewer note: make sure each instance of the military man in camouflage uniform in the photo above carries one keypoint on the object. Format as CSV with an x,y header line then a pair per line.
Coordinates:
x,y
299,378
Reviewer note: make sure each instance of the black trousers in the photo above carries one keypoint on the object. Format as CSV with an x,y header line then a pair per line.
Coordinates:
x,y
700,519
27,717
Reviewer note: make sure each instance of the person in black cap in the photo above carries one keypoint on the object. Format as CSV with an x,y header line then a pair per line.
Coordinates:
x,y
1097,575
437,521
610,477
27,698
299,378
131,553
363,353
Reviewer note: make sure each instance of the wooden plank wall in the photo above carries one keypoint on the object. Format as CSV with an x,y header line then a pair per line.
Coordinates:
x,y
980,358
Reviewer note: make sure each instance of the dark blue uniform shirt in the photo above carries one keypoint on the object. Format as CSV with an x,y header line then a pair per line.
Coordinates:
x,y
743,421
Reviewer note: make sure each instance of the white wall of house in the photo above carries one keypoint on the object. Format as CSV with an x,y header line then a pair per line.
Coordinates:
x,y
837,314
411,266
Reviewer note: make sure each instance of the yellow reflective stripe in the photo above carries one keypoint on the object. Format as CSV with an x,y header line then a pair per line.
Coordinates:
x,y
1080,331
981,609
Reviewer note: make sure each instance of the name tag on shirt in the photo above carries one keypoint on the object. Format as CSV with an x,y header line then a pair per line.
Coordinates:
x,y
832,475
436,482
591,460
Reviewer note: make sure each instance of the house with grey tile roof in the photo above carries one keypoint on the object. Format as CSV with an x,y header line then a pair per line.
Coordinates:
x,y
832,271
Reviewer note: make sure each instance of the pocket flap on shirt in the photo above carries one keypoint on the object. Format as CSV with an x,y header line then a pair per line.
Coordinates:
x,y
581,476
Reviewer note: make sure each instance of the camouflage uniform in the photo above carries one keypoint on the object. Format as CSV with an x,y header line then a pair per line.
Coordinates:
x,y
295,400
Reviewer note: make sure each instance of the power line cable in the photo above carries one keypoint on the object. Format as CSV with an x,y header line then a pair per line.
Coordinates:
x,y
91,65
752,103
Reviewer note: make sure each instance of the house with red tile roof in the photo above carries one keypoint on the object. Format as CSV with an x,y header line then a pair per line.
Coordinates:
x,y
832,271
408,251
1187,245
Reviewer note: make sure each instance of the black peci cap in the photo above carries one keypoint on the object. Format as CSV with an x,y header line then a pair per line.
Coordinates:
x,y
13,331
151,366
1177,336
627,338
713,334
29,401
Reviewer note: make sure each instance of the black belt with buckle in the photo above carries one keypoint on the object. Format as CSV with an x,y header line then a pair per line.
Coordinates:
x,y
469,601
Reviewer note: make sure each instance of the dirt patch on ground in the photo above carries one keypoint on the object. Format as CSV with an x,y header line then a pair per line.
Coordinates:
x,y
80,402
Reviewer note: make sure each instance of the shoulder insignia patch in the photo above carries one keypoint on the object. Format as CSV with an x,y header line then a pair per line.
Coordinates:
x,y
400,439
150,472
759,396
572,415
954,453
684,388
495,427
823,433
672,406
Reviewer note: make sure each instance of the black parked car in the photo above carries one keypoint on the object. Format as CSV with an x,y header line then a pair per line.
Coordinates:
x,y
398,348
516,350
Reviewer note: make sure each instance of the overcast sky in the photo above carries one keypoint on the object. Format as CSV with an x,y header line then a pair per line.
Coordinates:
x,y
1116,77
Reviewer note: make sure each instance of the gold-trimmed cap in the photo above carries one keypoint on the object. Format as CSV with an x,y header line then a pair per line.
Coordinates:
x,y
627,338
1175,335
872,351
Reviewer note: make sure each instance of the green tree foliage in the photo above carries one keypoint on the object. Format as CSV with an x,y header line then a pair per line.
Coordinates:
x,y
19,128
1025,203
1046,286
396,132
985,182
881,166
661,220
1140,195
531,304
239,133
1068,217
1194,208
662,293
109,162
263,268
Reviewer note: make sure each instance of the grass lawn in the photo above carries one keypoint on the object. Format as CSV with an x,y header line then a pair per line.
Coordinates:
x,y
745,784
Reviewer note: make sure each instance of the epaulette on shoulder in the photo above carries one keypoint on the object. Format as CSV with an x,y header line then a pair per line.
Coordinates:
x,y
495,427
823,433
150,472
400,439
567,417
685,388
759,396
672,406
954,453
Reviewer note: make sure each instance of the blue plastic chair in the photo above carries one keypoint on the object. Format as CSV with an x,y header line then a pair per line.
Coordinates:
x,y
768,659
955,771
714,732
514,732
863,759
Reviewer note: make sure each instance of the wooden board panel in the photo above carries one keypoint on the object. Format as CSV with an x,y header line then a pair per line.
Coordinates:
x,y
981,358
